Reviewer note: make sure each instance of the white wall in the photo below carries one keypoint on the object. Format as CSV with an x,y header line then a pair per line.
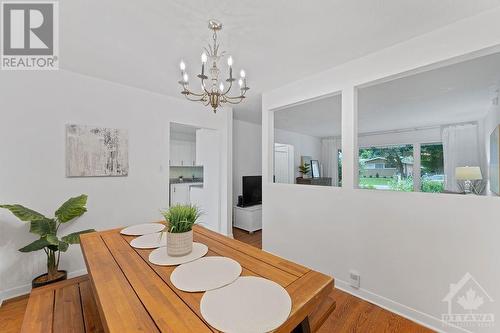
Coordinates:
x,y
247,153
429,135
408,247
34,108
491,121
304,145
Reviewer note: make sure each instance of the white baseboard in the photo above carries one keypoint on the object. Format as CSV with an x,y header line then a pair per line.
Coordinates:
x,y
26,289
414,315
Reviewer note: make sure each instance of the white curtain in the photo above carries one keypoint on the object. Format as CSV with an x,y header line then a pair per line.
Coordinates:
x,y
329,159
460,148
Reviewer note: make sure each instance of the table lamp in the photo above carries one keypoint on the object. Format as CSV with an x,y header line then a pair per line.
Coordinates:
x,y
467,175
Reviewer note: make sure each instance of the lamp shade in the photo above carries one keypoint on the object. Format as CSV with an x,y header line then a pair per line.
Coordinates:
x,y
468,173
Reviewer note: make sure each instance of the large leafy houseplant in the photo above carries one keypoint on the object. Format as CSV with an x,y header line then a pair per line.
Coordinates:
x,y
47,228
180,221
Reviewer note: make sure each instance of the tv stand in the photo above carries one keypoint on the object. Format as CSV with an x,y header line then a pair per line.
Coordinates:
x,y
248,218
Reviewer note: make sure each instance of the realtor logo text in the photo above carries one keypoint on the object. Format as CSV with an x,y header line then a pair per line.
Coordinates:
x,y
29,36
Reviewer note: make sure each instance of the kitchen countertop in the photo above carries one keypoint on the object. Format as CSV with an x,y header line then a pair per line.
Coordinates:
x,y
185,180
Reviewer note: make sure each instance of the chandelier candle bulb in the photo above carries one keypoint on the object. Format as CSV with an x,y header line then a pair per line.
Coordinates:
x,y
204,59
185,77
242,74
230,61
221,87
182,65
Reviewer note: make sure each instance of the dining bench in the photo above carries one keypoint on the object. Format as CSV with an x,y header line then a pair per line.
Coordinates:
x,y
63,307
69,306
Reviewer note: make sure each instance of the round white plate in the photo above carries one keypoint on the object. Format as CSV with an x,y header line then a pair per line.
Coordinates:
x,y
250,304
142,229
160,256
205,274
149,241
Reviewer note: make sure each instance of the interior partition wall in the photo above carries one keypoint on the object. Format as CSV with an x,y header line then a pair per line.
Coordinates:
x,y
407,247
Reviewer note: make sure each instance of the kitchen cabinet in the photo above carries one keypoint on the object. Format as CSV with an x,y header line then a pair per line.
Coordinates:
x,y
182,153
180,193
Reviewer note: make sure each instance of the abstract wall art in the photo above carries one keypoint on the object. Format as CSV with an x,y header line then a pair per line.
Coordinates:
x,y
96,151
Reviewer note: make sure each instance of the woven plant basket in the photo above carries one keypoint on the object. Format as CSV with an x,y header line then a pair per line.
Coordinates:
x,y
179,244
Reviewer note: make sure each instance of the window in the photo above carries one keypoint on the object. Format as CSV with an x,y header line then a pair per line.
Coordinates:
x,y
450,117
386,168
307,142
432,168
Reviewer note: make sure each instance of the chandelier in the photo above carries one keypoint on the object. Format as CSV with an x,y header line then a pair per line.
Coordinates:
x,y
213,90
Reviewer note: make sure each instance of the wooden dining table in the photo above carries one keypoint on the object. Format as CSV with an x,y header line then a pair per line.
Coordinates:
x,y
134,295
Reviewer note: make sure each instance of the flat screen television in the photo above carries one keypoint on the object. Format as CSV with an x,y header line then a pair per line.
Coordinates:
x,y
252,190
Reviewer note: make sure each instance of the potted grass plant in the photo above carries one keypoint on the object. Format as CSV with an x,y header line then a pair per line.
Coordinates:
x,y
47,228
180,220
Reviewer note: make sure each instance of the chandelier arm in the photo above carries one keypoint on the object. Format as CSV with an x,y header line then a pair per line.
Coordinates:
x,y
195,95
232,100
241,95
195,99
234,103
235,97
199,97
229,88
204,87
189,92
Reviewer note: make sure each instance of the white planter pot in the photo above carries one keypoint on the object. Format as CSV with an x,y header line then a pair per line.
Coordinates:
x,y
179,244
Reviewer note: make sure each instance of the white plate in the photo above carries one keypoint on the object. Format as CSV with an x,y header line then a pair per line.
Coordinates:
x,y
161,257
142,229
149,241
250,304
205,274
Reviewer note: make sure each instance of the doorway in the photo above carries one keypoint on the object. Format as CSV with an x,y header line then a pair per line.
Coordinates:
x,y
195,158
284,163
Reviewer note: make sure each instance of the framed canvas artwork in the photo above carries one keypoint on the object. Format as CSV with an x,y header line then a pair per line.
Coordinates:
x,y
96,151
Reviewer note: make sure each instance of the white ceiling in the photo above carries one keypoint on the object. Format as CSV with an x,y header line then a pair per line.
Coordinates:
x,y
139,43
320,118
457,93
452,94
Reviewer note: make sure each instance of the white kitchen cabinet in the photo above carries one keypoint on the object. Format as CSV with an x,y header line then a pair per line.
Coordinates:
x,y
179,194
182,153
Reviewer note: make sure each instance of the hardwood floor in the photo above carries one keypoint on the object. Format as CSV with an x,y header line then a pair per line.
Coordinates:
x,y
254,239
12,314
352,314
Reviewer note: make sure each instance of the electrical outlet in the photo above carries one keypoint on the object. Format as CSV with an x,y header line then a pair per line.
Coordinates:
x,y
354,279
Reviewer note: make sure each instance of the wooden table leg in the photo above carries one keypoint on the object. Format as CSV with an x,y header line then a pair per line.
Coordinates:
x,y
303,327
